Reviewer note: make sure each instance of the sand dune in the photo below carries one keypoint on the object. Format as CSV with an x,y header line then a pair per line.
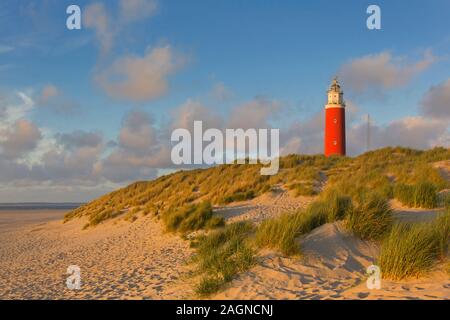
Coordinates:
x,y
269,205
333,266
405,214
122,260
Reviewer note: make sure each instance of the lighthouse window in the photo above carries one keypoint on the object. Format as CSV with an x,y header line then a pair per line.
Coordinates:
x,y
335,120
335,142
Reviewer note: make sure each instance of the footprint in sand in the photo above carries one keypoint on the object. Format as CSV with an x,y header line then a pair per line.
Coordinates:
x,y
405,288
363,295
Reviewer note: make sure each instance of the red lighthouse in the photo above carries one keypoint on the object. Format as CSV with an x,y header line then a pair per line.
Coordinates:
x,y
335,121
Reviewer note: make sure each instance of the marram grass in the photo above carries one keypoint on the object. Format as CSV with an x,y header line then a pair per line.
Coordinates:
x,y
281,233
192,217
422,194
371,219
411,250
222,254
368,173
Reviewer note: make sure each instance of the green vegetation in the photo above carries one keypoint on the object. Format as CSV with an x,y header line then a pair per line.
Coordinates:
x,y
420,173
222,254
191,217
281,233
423,194
362,182
410,250
446,201
442,230
131,214
332,204
303,189
373,172
239,196
100,215
371,219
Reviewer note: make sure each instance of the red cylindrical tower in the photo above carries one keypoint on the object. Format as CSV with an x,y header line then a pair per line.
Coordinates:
x,y
335,121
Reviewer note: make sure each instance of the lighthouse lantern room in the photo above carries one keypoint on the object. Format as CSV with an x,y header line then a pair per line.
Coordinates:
x,y
335,121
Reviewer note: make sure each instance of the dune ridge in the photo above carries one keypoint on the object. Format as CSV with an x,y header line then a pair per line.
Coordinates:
x,y
124,249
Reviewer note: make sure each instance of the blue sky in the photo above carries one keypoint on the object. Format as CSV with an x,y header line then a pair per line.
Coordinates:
x,y
273,58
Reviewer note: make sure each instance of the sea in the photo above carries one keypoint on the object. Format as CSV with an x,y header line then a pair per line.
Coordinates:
x,y
39,206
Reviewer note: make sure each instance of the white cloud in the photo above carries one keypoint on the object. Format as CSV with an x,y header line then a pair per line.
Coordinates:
x,y
256,113
139,152
32,155
436,102
303,136
108,27
193,110
13,110
97,18
48,92
82,159
414,132
140,78
80,139
137,133
382,71
220,92
5,49
134,10
54,99
21,138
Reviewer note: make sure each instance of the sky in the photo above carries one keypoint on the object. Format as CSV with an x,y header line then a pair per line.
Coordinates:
x,y
83,112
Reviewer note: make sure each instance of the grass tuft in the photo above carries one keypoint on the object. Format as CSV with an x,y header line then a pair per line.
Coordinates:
x,y
302,189
423,195
371,219
191,217
222,254
335,205
280,233
410,250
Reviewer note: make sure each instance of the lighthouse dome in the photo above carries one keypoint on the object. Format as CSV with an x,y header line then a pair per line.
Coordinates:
x,y
335,86
335,94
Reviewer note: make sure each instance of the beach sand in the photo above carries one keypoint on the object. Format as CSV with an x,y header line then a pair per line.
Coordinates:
x,y
118,260
11,220
333,267
139,260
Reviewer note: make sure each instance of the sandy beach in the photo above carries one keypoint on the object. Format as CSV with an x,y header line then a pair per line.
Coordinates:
x,y
11,220
117,260
139,260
